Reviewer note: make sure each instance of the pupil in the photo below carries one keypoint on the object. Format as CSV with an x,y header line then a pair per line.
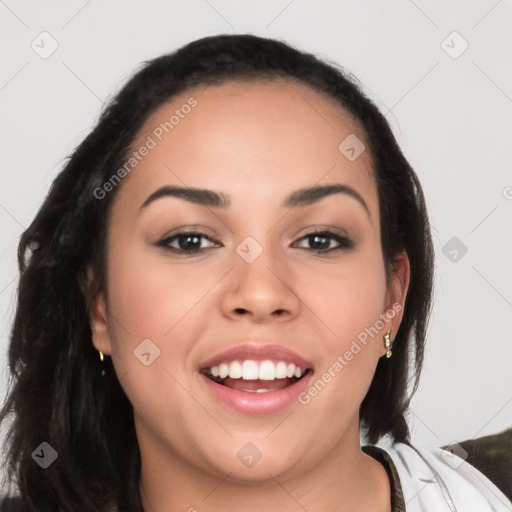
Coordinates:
x,y
188,245
316,237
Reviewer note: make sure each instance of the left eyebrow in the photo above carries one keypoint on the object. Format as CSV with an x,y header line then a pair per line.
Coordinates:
x,y
301,197
306,196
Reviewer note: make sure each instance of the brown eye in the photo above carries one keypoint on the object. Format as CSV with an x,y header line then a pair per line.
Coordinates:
x,y
185,242
321,241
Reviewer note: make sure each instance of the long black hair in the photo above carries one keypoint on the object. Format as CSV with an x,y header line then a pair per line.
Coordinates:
x,y
56,391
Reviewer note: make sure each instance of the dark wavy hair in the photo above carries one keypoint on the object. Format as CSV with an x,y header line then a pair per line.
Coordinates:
x,y
57,393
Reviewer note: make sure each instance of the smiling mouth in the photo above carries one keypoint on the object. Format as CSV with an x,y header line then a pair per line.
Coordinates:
x,y
256,376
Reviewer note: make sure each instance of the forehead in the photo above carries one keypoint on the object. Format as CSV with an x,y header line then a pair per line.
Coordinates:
x,y
257,139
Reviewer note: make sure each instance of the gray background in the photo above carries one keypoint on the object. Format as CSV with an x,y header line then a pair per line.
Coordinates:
x,y
449,110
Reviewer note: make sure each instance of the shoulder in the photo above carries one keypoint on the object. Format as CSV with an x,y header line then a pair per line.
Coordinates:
x,y
491,455
433,478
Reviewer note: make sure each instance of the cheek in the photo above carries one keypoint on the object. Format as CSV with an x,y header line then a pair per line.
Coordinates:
x,y
350,300
348,297
150,296
152,300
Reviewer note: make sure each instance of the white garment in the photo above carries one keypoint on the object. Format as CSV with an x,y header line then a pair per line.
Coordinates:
x,y
435,480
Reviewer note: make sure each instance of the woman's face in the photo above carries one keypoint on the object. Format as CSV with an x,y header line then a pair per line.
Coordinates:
x,y
254,296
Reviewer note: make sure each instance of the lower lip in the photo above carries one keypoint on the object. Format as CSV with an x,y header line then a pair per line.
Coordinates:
x,y
257,404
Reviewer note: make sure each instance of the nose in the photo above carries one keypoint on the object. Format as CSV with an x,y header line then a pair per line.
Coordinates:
x,y
262,291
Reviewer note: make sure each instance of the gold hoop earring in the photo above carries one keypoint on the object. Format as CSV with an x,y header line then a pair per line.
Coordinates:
x,y
388,344
101,355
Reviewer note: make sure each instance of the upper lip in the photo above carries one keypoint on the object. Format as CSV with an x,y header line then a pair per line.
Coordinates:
x,y
257,352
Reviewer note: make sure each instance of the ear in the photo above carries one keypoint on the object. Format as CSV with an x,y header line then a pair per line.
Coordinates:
x,y
396,295
98,320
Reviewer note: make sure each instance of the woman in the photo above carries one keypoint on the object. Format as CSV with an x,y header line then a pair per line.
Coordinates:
x,y
229,283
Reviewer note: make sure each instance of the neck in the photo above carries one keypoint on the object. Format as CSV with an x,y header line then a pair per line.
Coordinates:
x,y
345,480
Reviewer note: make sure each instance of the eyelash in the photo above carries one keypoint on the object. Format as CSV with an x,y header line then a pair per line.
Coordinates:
x,y
344,242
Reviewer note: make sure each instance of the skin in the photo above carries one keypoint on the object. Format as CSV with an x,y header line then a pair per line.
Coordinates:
x,y
256,142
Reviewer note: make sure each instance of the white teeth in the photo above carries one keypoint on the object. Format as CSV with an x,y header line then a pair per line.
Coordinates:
x,y
250,370
281,370
235,370
223,370
254,370
267,370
